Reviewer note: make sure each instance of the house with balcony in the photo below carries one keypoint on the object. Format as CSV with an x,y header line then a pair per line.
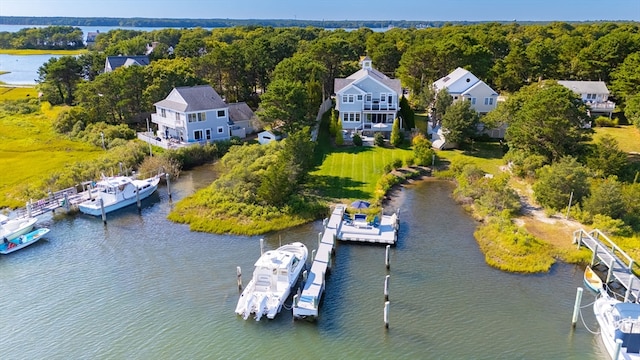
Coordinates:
x,y
594,94
190,115
367,100
463,85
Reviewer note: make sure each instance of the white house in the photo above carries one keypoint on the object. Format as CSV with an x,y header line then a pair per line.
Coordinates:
x,y
594,93
192,114
367,100
463,85
267,136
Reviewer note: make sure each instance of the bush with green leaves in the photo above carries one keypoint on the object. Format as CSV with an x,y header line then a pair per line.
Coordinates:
x,y
603,121
558,181
378,139
357,140
422,150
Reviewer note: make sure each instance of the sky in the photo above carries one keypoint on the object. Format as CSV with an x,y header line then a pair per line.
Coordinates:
x,y
432,10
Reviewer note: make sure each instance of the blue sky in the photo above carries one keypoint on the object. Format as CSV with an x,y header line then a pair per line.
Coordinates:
x,y
448,10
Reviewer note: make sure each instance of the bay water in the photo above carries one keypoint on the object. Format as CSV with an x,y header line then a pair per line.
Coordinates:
x,y
143,287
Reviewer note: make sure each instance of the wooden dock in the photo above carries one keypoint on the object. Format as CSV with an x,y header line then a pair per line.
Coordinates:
x,y
66,198
384,233
619,264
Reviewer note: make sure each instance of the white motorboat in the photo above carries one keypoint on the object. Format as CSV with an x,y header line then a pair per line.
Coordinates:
x,y
619,326
22,241
275,273
117,192
13,228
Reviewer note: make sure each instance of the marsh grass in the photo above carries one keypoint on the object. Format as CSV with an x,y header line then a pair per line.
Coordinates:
x,y
8,92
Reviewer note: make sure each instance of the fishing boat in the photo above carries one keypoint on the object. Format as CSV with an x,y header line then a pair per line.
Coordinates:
x,y
22,241
12,228
619,326
275,274
592,280
117,192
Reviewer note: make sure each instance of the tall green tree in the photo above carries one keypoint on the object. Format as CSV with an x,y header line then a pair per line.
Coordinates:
x,y
422,150
59,78
607,158
396,135
284,106
442,103
605,198
557,181
407,114
545,119
460,122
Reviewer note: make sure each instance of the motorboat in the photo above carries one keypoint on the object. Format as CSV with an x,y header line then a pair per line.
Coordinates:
x,y
117,192
592,280
276,272
12,228
15,244
619,326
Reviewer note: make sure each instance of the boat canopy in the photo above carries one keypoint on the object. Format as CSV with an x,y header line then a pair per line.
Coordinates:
x,y
628,326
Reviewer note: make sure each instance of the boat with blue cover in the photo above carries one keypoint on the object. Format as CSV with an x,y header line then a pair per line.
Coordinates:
x,y
22,241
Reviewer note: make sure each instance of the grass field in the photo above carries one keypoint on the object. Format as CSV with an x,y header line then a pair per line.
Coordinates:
x,y
17,92
628,136
31,152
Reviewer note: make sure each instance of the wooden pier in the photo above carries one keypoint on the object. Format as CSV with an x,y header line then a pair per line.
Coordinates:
x,y
619,264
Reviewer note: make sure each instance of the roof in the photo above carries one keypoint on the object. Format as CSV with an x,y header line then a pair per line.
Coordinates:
x,y
585,87
453,78
118,61
240,111
192,98
393,84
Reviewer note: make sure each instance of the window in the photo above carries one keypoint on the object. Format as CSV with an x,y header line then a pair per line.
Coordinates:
x,y
347,98
208,134
357,119
488,101
591,96
222,113
177,116
163,112
383,97
368,97
359,97
390,98
350,98
197,135
202,116
344,98
192,117
220,130
473,101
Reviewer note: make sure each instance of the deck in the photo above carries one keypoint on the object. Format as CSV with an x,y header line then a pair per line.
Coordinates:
x,y
385,233
619,264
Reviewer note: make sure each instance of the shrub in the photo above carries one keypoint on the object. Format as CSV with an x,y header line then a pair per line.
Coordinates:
x,y
357,140
378,139
603,121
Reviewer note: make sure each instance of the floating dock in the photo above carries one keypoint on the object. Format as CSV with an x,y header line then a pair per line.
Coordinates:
x,y
306,303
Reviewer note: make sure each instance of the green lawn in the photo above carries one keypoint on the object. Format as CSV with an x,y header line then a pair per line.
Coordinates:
x,y
628,136
8,92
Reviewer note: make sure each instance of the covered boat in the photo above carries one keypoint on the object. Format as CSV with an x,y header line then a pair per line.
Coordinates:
x,y
275,274
619,326
117,192
12,228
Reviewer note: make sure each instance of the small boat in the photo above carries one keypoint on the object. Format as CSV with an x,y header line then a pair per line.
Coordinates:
x,y
619,326
9,246
12,228
592,280
275,273
117,192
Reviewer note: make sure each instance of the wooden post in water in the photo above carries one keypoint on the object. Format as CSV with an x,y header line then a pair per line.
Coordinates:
x,y
610,271
295,301
595,253
386,315
239,276
29,208
628,292
576,307
104,214
386,257
386,288
261,247
169,185
138,200
67,206
304,276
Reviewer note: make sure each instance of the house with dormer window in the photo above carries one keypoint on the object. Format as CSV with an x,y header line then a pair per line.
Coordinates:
x,y
367,100
463,85
195,114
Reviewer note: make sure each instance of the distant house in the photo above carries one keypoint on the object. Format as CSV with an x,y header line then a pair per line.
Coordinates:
x,y
593,93
91,37
114,62
192,114
463,85
268,136
243,119
367,100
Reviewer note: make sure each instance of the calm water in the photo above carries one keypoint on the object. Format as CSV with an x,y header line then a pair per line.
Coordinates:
x,y
146,288
22,69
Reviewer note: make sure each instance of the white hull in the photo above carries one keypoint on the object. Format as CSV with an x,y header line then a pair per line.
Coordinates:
x,y
22,241
614,323
13,228
275,273
117,193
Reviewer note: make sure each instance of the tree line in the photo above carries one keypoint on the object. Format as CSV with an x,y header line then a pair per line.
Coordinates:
x,y
46,38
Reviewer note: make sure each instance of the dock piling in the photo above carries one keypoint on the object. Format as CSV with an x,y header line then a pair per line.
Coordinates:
x,y
386,288
386,315
168,176
261,247
386,257
576,307
239,276
104,214
313,254
138,200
